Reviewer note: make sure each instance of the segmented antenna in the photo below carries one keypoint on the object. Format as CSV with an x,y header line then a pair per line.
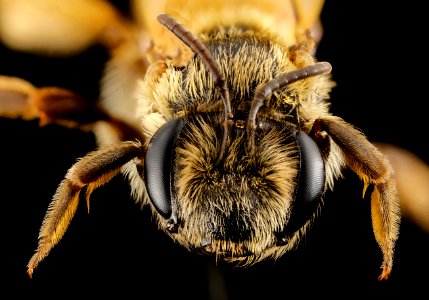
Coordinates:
x,y
263,92
200,49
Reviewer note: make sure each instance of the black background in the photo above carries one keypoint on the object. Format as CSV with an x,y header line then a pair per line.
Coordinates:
x,y
377,56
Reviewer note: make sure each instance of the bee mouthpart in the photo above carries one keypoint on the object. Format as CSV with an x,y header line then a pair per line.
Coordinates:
x,y
225,250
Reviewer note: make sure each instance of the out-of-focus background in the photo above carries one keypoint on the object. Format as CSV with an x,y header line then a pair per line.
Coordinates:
x,y
377,55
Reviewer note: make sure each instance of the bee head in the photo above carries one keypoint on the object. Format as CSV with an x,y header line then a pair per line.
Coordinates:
x,y
240,188
243,206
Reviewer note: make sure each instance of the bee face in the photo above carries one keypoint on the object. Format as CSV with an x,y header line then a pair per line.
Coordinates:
x,y
238,208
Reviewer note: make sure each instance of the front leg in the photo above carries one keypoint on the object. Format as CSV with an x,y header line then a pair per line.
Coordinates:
x,y
372,167
90,172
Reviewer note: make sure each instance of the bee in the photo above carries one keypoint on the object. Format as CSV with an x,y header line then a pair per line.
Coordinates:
x,y
218,114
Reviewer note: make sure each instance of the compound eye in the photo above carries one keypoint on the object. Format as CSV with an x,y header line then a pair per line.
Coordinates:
x,y
312,172
158,166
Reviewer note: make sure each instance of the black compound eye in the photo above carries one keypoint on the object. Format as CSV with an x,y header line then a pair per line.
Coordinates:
x,y
309,188
312,171
158,166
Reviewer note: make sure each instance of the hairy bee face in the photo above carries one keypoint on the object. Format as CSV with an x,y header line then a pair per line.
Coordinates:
x,y
257,198
238,208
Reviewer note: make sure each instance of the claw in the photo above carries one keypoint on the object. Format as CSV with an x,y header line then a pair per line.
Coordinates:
x,y
385,273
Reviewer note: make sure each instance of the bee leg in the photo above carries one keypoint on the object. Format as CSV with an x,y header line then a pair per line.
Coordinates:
x,y
90,172
412,176
307,13
308,32
301,54
373,168
15,98
20,99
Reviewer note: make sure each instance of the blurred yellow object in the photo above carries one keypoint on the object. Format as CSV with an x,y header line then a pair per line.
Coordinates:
x,y
52,26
